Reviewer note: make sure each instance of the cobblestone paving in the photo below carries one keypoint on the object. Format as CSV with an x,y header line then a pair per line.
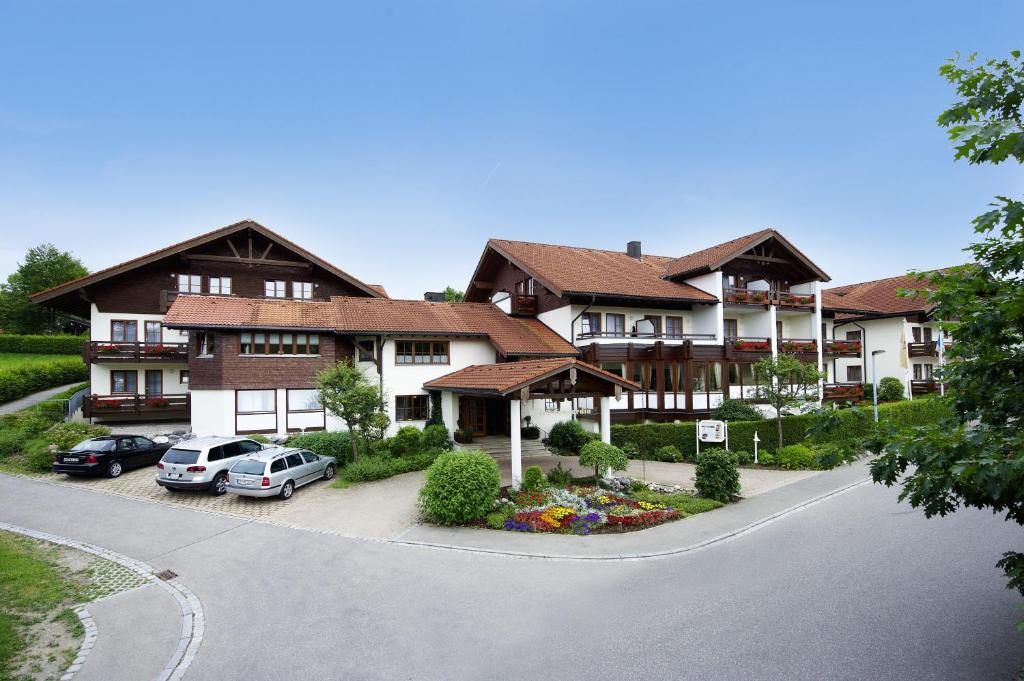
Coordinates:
x,y
106,578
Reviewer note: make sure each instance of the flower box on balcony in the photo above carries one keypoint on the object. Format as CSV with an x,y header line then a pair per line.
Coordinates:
x,y
105,404
759,296
108,349
158,402
751,345
160,350
845,346
798,346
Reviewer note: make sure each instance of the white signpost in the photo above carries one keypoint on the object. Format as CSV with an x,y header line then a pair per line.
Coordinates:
x,y
712,431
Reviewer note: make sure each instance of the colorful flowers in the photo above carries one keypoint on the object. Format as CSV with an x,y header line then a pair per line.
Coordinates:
x,y
581,510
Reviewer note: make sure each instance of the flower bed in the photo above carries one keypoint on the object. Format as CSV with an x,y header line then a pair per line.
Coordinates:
x,y
751,345
579,510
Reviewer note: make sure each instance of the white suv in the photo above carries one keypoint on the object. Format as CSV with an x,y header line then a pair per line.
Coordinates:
x,y
202,463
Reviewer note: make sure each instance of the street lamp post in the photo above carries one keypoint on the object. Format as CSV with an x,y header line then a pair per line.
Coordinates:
x,y
874,380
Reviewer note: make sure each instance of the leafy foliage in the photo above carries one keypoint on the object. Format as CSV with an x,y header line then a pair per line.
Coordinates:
x,y
453,295
408,440
337,444
718,477
460,487
796,457
44,266
533,478
22,381
568,436
601,456
890,389
736,410
42,345
786,382
975,455
558,476
348,394
435,436
669,453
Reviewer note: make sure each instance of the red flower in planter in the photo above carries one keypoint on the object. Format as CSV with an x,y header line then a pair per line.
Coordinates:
x,y
108,349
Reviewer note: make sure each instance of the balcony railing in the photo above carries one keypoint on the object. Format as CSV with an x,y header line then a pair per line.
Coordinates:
x,y
523,303
652,335
794,345
106,351
749,343
843,348
135,406
925,348
924,387
750,296
843,391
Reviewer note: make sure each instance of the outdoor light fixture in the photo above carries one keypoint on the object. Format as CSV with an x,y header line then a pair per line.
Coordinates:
x,y
874,380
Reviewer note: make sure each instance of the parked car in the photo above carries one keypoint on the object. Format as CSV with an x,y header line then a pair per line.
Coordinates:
x,y
277,471
108,455
202,463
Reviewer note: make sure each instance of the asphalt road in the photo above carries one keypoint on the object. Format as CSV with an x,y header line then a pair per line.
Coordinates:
x,y
857,587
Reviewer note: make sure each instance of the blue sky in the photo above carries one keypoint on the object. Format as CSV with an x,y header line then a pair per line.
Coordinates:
x,y
394,138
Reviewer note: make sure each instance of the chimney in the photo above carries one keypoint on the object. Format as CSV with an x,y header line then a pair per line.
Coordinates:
x,y
433,297
633,250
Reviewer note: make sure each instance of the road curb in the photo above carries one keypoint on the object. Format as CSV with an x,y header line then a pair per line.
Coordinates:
x,y
192,618
648,555
88,641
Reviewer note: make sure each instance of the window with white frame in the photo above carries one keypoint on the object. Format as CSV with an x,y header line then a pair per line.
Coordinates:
x,y
854,373
274,288
220,286
552,405
190,283
256,401
302,289
204,344
304,400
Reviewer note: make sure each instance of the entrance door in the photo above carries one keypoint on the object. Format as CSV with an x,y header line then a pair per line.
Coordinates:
x,y
154,382
474,414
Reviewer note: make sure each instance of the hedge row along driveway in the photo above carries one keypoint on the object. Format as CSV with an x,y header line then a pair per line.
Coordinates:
x,y
43,345
21,381
649,437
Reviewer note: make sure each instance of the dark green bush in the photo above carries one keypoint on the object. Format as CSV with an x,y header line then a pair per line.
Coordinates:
x,y
744,458
42,345
463,436
64,435
717,475
603,456
890,389
558,476
533,478
568,436
736,410
766,459
668,453
22,381
11,442
326,443
795,457
408,440
496,519
460,487
368,468
529,432
435,436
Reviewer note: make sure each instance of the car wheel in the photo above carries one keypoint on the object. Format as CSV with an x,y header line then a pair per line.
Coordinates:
x,y
287,489
114,469
329,471
219,485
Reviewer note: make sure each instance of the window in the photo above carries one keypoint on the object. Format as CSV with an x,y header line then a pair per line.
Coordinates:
x,y
526,287
142,443
731,328
928,371
248,447
778,330
656,320
277,465
412,407
674,327
126,443
259,343
124,331
220,286
302,289
294,460
917,372
421,352
310,457
552,405
707,377
927,332
273,288
367,351
154,333
256,401
183,377
616,324
616,368
216,453
124,382
190,283
154,381
854,374
204,344
591,322
853,335
304,400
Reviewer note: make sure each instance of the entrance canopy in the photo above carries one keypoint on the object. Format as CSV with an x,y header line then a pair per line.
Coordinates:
x,y
534,379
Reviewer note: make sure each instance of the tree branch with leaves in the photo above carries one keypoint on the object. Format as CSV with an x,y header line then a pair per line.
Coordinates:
x,y
784,382
347,393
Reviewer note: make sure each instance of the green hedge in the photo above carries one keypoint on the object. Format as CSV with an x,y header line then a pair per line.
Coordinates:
x,y
43,345
650,438
17,383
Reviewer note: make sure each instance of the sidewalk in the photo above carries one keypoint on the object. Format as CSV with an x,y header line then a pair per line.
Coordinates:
x,y
33,399
672,538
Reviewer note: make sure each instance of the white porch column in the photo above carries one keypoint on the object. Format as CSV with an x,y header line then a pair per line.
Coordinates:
x,y
605,403
515,418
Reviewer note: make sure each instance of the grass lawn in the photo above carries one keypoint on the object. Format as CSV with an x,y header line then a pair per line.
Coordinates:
x,y
15,360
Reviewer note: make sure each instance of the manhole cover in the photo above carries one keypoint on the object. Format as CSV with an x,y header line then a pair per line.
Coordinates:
x,y
167,575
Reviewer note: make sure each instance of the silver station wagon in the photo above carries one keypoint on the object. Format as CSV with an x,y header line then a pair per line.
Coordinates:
x,y
277,471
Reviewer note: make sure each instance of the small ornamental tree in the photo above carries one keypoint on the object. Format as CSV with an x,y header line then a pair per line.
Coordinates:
x,y
717,476
785,382
348,394
602,455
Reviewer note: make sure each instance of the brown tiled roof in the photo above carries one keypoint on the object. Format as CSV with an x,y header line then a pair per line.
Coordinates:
x,y
61,289
379,289
711,258
879,297
589,271
506,377
512,336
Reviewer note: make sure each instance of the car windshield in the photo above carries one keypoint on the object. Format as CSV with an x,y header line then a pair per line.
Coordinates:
x,y
248,467
176,455
94,446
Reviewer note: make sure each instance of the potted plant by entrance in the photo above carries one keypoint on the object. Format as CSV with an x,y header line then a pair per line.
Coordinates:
x,y
529,432
463,436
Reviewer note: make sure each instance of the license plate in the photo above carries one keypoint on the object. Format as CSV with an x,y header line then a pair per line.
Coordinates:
x,y
70,459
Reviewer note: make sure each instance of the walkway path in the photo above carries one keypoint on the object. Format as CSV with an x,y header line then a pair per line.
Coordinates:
x,y
33,399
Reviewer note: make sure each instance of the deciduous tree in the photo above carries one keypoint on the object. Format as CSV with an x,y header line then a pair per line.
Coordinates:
x,y
785,382
44,266
346,392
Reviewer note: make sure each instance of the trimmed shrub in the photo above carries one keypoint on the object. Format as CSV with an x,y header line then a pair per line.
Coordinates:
x,y
717,475
529,432
745,458
796,457
42,345
766,458
463,436
668,453
601,456
558,476
533,478
408,440
435,436
326,443
22,381
736,410
460,487
496,519
568,436
890,389
368,468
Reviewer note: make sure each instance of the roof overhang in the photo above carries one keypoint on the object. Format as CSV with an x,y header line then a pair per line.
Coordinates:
x,y
509,378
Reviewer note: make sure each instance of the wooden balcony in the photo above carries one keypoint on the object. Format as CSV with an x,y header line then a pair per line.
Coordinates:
x,y
137,407
843,348
523,303
653,335
803,301
924,349
748,296
103,351
756,344
924,387
853,392
798,345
